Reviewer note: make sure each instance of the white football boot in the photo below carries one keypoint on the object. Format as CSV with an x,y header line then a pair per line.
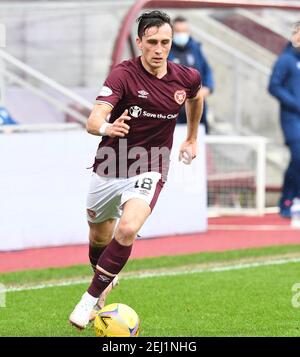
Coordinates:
x,y
101,301
80,316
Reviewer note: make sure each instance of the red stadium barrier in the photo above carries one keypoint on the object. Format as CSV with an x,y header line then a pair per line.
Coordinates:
x,y
124,31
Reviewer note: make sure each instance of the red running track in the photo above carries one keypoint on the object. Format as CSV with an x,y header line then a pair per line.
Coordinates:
x,y
225,233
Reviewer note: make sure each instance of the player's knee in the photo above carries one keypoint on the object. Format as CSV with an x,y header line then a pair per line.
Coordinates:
x,y
99,239
126,233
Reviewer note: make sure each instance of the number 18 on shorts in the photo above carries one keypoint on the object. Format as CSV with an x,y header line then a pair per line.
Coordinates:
x,y
106,196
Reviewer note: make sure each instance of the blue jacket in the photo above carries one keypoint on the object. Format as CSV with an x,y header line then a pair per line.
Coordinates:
x,y
5,118
285,86
192,56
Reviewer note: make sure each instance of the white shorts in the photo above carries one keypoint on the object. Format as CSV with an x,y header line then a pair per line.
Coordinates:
x,y
106,196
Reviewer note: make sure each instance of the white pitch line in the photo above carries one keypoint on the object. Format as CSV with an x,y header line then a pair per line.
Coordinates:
x,y
146,275
47,285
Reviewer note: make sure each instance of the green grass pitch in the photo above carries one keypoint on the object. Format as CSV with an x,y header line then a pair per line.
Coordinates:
x,y
181,296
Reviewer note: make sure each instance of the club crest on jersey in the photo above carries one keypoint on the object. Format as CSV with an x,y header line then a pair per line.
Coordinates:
x,y
135,111
180,96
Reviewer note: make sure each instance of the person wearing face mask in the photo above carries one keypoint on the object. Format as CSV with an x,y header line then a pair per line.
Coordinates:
x,y
188,52
284,85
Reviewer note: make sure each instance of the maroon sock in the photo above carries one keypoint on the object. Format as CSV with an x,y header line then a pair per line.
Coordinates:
x,y
112,261
94,254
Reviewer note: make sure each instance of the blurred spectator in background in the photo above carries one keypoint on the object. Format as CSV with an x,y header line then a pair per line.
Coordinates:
x,y
186,51
5,118
285,86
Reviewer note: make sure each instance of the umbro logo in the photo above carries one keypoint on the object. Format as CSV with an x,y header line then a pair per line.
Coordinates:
x,y
143,94
103,278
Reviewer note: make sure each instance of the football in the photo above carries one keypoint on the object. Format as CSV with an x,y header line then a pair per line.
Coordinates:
x,y
117,320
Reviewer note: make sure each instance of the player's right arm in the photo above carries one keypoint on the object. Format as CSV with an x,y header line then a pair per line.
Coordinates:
x,y
97,125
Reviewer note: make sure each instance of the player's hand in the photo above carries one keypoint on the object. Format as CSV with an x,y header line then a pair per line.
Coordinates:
x,y
119,128
188,152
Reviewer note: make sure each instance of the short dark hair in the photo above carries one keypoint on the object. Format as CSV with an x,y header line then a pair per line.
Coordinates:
x,y
179,19
153,18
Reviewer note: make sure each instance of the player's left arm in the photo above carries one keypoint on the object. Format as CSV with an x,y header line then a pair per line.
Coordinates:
x,y
194,109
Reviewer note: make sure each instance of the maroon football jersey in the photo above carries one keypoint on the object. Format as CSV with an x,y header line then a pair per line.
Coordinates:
x,y
153,105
